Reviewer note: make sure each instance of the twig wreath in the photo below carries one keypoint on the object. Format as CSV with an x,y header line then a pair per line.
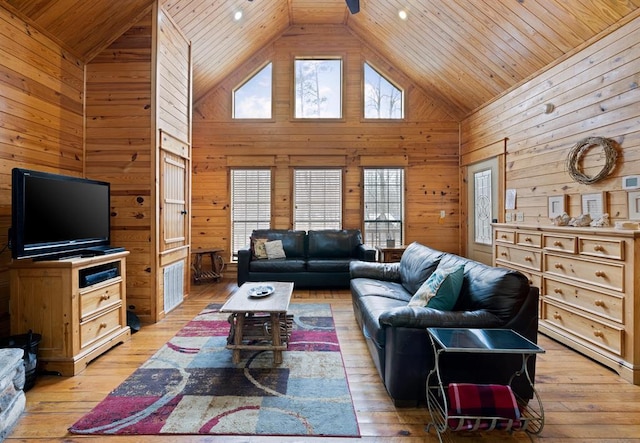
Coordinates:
x,y
578,151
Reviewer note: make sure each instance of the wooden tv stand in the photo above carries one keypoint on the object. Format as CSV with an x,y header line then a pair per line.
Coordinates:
x,y
78,305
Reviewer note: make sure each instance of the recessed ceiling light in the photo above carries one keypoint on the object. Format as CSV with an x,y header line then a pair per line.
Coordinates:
x,y
402,14
237,15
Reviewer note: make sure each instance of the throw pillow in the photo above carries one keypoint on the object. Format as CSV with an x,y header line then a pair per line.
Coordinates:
x,y
440,291
274,249
259,251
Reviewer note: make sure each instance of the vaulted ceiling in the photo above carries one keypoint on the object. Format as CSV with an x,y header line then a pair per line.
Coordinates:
x,y
463,52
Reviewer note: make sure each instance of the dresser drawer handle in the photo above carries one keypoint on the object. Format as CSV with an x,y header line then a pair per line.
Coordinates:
x,y
598,333
600,274
557,243
598,248
528,258
557,316
503,236
558,265
527,239
557,290
504,254
599,303
103,325
104,297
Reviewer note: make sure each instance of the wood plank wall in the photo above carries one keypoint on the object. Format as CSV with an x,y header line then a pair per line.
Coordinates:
x,y
41,118
119,145
426,143
595,93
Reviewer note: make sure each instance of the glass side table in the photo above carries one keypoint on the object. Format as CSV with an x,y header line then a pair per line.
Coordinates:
x,y
529,414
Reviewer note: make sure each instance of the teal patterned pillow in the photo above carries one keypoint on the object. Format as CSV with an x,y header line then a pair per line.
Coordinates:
x,y
441,289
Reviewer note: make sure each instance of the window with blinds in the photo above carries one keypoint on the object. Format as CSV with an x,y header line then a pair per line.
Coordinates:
x,y
250,204
317,199
383,205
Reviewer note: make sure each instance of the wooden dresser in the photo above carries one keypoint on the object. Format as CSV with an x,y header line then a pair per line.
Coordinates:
x,y
78,305
589,280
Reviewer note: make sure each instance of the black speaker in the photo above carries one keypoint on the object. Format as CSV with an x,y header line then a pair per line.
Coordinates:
x,y
354,6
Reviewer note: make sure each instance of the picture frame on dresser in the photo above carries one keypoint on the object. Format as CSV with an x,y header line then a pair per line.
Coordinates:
x,y
594,204
557,205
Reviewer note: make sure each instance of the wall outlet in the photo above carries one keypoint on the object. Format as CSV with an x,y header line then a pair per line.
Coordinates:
x,y
507,217
520,216
442,214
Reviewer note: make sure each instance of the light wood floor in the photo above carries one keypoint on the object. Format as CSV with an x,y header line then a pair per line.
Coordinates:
x,y
583,401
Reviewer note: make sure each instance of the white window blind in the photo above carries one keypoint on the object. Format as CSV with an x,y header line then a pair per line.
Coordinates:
x,y
250,204
317,199
383,205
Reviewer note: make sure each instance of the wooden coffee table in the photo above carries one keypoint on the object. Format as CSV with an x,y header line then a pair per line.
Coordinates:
x,y
259,322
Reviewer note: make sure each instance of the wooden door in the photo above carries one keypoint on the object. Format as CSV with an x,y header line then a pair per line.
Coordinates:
x,y
482,208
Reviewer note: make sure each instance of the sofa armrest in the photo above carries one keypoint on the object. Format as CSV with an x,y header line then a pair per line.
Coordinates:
x,y
375,270
244,257
416,317
367,253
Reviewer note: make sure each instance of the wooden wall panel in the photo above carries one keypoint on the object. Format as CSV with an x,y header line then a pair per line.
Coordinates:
x,y
119,140
595,93
41,119
427,141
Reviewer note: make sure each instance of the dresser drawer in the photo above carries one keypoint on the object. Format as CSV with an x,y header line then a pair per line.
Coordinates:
x,y
599,333
520,257
100,298
96,328
599,247
603,274
504,236
600,303
556,242
532,239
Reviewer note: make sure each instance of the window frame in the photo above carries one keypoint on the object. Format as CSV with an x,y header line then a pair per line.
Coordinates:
x,y
294,96
232,234
294,220
365,220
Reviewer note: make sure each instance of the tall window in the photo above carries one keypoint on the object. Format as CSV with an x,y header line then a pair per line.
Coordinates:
x,y
317,199
250,204
252,99
318,88
383,205
382,99
482,198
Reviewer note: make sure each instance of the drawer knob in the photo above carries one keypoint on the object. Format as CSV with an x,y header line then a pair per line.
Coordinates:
x,y
527,239
557,243
598,333
528,258
504,254
557,316
599,303
503,236
104,297
600,274
557,290
103,325
598,248
558,265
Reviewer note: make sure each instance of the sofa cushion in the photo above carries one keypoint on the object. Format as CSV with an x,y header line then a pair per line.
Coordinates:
x,y
278,265
258,250
334,243
440,291
274,249
361,287
417,263
293,242
372,307
328,265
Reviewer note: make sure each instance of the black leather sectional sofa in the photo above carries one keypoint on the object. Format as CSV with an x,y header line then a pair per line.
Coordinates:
x,y
396,333
314,259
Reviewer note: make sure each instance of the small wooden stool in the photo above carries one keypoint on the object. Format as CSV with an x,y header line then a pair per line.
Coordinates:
x,y
217,265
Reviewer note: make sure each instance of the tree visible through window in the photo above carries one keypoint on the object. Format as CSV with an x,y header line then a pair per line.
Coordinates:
x,y
318,88
317,199
381,98
383,205
252,99
250,204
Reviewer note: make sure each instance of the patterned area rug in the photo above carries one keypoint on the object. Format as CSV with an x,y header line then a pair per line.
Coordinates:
x,y
191,386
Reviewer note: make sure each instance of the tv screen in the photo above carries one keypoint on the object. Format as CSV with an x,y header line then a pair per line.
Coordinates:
x,y
57,214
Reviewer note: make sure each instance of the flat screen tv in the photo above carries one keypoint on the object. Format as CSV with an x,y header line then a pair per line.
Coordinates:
x,y
57,215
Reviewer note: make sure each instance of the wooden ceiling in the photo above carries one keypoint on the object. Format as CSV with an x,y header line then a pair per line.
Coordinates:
x,y
464,52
